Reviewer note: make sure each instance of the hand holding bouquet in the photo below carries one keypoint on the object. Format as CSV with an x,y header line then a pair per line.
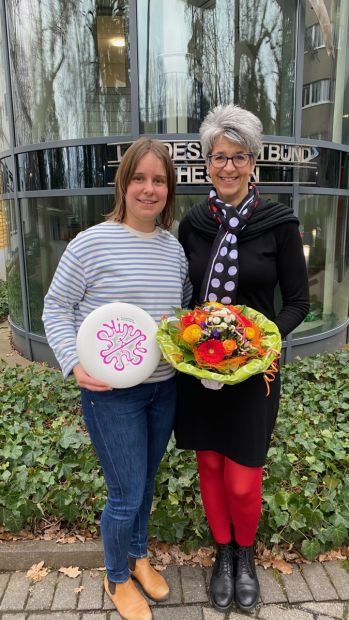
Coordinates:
x,y
221,343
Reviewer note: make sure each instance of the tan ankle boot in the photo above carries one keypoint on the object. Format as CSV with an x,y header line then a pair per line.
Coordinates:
x,y
129,602
153,584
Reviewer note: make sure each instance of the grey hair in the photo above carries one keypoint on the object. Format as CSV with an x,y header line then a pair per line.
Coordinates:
x,y
234,123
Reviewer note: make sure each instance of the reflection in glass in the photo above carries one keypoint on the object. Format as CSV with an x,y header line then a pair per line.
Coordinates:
x,y
326,73
328,168
182,205
6,175
192,58
13,279
48,226
70,64
4,121
67,167
325,233
344,172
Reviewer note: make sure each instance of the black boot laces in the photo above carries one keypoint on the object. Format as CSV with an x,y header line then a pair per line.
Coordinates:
x,y
224,561
245,562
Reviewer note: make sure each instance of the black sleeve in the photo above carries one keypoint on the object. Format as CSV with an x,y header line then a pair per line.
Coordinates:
x,y
293,278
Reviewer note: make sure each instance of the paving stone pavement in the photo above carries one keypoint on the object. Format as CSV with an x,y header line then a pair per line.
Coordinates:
x,y
312,592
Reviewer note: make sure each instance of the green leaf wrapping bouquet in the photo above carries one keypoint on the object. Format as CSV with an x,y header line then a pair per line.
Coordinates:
x,y
222,343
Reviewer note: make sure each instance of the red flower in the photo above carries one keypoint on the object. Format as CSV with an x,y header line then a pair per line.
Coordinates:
x,y
244,320
210,352
188,319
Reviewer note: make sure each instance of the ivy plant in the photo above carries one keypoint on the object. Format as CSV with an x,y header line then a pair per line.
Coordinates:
x,y
49,469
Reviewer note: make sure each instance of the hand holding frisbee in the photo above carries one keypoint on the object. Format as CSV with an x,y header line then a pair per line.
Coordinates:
x,y
116,343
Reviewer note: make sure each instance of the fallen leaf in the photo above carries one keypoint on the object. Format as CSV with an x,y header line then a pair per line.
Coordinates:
x,y
163,547
335,554
265,565
79,589
66,540
282,566
37,572
207,562
292,556
81,538
166,559
71,571
159,567
26,534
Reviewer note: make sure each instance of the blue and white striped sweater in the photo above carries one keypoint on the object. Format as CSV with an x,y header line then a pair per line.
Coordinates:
x,y
112,262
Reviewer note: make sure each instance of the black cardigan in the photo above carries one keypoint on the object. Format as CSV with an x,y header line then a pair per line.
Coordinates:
x,y
237,421
270,254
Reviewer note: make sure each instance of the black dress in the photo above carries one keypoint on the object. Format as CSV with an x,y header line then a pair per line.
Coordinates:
x,y
238,420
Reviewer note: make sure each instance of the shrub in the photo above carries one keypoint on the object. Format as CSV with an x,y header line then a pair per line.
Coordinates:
x,y
3,301
306,489
48,468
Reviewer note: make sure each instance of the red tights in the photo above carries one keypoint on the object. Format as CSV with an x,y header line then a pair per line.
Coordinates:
x,y
231,493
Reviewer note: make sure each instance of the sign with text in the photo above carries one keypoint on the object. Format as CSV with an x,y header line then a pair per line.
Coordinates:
x,y
277,164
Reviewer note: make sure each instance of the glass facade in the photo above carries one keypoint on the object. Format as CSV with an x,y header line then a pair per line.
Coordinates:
x,y
195,55
13,277
325,101
48,226
70,67
4,103
6,175
89,77
324,229
69,167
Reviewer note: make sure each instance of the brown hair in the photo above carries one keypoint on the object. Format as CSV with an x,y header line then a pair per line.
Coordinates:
x,y
124,174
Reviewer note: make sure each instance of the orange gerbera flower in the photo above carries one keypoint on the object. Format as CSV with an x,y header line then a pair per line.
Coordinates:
x,y
229,346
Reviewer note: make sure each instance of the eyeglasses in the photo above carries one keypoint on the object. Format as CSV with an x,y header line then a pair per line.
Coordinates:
x,y
239,160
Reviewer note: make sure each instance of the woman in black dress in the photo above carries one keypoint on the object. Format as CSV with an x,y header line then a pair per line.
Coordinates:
x,y
239,248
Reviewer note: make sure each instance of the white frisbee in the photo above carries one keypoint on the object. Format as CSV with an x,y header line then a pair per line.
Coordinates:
x,y
116,343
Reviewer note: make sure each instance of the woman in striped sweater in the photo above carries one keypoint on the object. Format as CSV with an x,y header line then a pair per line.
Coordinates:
x,y
128,258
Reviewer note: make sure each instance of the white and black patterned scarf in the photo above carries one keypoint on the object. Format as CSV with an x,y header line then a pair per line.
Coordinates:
x,y
221,277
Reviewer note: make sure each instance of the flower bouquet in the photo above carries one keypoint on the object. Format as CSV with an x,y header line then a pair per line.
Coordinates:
x,y
222,343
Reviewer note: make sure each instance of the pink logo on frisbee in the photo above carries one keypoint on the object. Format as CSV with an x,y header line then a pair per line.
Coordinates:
x,y
123,344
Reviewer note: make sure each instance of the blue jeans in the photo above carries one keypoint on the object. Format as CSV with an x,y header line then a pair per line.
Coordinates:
x,y
129,429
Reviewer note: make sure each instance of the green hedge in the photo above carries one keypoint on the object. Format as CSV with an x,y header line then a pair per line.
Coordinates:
x,y
48,468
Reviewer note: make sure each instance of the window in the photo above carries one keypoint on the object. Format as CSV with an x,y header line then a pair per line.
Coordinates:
x,y
4,121
313,38
326,72
14,290
324,229
70,68
196,55
320,91
48,225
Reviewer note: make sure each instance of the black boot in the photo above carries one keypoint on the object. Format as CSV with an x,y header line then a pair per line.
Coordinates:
x,y
222,580
246,581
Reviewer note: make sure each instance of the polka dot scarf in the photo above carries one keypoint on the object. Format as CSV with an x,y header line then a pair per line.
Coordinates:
x,y
221,277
